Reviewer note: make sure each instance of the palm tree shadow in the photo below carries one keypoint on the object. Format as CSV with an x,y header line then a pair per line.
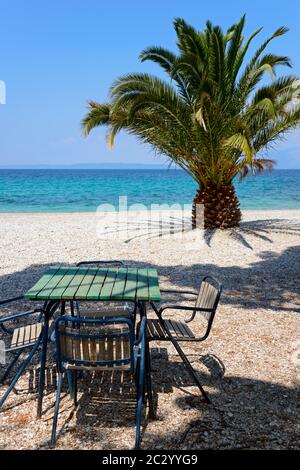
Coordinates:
x,y
261,229
168,226
208,236
164,224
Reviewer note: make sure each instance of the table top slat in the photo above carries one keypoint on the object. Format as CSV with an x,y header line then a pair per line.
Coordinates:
x,y
142,291
154,292
51,285
96,285
41,283
131,284
119,285
70,292
60,288
108,284
86,283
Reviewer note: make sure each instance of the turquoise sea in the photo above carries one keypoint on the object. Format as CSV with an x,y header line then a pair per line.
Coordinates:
x,y
84,190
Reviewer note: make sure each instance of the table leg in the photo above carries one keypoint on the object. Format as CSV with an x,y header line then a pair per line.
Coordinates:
x,y
48,313
143,311
152,413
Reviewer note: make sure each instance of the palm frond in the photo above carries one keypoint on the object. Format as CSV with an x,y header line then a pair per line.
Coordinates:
x,y
97,115
214,114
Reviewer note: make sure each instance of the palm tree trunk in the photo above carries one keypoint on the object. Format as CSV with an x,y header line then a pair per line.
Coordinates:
x,y
221,207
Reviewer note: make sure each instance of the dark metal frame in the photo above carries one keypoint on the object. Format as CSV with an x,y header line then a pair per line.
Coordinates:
x,y
18,350
51,307
138,362
113,262
194,310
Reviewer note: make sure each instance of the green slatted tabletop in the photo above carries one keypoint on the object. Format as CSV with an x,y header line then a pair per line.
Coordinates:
x,y
90,283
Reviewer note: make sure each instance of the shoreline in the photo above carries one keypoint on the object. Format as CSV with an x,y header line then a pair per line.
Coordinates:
x,y
55,213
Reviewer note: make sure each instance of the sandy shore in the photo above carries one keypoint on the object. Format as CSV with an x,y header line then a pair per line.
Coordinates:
x,y
250,364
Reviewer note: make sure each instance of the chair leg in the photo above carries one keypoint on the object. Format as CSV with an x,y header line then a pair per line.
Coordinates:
x,y
185,361
58,390
20,372
134,315
69,376
72,309
11,365
139,415
152,414
43,366
141,307
137,379
190,370
75,387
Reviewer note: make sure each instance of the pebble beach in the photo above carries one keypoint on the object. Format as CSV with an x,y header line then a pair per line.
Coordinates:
x,y
250,364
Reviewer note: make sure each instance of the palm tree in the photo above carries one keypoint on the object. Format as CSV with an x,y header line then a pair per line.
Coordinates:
x,y
213,117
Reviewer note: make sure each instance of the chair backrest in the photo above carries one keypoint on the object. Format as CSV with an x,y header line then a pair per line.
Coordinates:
x,y
208,300
209,293
94,343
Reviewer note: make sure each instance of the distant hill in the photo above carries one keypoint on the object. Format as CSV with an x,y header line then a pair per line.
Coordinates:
x,y
89,166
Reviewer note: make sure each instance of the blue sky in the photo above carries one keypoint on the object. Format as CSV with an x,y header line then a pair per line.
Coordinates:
x,y
55,55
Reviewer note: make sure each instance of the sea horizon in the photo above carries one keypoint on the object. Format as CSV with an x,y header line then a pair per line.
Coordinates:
x,y
33,190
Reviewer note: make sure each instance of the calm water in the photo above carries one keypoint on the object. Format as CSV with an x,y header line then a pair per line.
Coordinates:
x,y
84,190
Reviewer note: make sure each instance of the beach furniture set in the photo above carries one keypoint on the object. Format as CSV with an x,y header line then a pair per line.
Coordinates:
x,y
96,314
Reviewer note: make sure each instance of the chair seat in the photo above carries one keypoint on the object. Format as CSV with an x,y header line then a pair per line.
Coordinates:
x,y
26,335
178,330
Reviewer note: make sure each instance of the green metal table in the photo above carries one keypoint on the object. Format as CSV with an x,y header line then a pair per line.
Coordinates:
x,y
65,283
70,283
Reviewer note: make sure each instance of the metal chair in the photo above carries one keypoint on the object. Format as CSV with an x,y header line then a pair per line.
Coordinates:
x,y
100,344
104,310
162,329
21,338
